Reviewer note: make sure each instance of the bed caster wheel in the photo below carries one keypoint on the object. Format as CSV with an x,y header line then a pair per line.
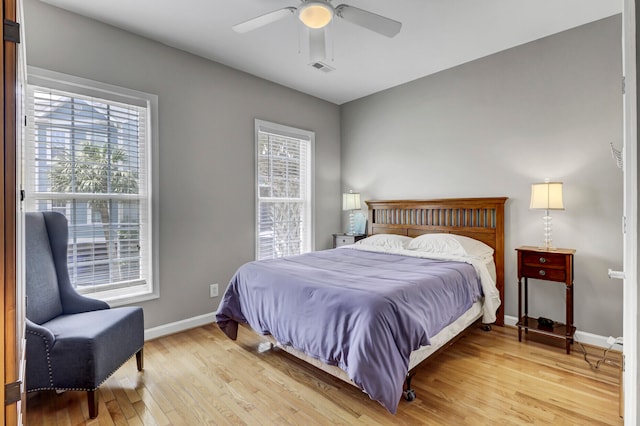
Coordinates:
x,y
409,395
486,327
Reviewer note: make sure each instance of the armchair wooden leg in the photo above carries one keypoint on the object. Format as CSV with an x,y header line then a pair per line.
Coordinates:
x,y
92,399
140,359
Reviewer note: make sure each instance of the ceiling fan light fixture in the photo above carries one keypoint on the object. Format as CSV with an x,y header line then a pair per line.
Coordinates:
x,y
315,14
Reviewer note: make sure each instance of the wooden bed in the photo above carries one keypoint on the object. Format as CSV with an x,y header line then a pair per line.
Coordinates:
x,y
478,218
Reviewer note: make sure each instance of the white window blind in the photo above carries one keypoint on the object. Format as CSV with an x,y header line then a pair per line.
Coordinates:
x,y
284,190
88,157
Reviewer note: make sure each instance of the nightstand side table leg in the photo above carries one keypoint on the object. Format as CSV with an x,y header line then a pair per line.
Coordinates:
x,y
569,299
519,309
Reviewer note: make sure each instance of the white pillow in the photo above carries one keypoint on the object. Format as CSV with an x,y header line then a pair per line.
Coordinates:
x,y
450,244
386,241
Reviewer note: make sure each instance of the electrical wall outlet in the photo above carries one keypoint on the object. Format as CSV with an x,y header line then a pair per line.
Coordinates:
x,y
213,290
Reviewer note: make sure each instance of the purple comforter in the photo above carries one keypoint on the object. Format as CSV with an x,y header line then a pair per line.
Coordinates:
x,y
362,311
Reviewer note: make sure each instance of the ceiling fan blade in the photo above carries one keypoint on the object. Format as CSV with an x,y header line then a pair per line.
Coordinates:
x,y
263,20
317,47
377,23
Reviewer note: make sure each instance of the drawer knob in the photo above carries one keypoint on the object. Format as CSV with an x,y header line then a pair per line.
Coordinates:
x,y
543,260
542,272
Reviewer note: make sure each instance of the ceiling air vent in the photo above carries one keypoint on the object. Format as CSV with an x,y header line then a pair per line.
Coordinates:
x,y
321,66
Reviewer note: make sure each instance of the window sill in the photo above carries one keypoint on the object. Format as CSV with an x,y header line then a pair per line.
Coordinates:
x,y
118,297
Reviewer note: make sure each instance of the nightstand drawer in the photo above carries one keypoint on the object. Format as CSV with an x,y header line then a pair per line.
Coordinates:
x,y
344,239
544,259
544,273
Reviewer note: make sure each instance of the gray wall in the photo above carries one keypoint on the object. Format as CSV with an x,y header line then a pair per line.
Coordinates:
x,y
491,127
206,148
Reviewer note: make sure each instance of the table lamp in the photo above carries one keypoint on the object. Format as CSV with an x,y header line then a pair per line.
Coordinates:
x,y
547,196
350,202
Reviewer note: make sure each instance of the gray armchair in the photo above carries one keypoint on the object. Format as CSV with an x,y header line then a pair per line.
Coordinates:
x,y
73,342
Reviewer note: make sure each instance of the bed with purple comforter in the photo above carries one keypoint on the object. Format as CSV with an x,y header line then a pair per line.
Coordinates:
x,y
362,311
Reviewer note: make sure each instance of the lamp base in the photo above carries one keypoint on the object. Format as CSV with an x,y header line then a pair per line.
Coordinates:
x,y
547,233
351,230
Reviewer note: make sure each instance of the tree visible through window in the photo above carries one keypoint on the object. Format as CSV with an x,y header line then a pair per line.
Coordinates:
x,y
87,157
101,168
284,196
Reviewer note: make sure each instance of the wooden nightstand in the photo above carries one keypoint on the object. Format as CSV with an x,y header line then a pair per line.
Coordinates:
x,y
344,239
550,265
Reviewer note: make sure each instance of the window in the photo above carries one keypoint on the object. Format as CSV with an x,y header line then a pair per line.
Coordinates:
x,y
89,156
284,190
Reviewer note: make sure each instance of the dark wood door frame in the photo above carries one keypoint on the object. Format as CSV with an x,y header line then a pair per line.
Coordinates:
x,y
8,200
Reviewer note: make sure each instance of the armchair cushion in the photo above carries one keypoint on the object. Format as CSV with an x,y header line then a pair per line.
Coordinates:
x,y
90,346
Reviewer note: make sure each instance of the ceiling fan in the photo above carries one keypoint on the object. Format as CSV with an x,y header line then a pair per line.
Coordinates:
x,y
316,15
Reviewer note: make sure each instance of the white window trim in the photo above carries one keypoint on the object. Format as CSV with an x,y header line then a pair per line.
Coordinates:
x,y
60,81
267,126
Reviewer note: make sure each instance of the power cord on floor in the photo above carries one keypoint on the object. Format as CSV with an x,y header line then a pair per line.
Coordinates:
x,y
611,341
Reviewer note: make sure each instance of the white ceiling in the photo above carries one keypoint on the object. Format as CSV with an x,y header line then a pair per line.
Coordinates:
x,y
436,35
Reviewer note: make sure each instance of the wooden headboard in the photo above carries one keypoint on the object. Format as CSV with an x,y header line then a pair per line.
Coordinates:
x,y
479,218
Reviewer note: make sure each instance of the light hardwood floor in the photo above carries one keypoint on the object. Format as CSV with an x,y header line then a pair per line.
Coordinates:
x,y
201,377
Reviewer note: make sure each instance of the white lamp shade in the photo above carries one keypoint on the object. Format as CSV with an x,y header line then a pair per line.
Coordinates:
x,y
315,14
351,201
546,196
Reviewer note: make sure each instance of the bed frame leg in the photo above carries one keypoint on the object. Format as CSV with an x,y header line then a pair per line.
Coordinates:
x,y
409,394
486,327
265,347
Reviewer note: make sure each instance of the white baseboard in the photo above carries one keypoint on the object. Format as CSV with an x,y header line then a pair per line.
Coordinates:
x,y
580,336
175,327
